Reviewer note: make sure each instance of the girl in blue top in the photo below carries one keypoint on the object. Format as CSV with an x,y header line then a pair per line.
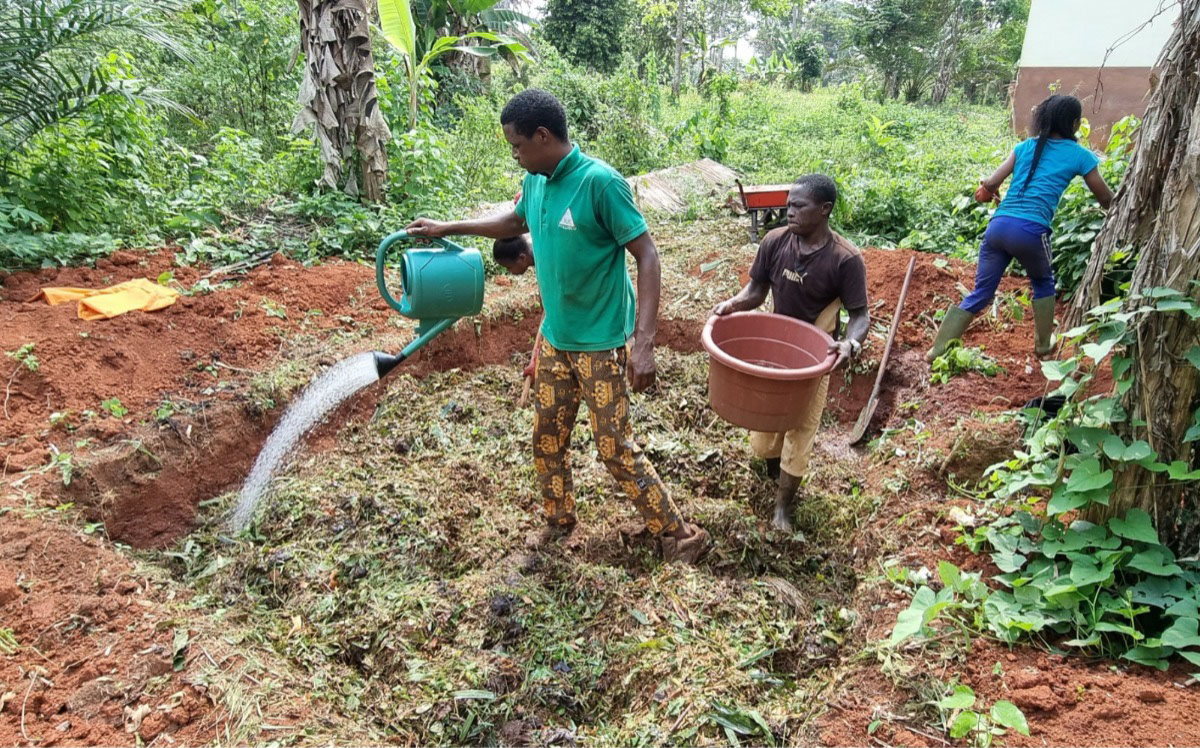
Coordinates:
x,y
1042,167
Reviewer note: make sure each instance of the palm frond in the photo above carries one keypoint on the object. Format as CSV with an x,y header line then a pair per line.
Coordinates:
x,y
37,27
50,59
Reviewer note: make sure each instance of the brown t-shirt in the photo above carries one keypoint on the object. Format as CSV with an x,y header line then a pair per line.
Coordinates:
x,y
803,285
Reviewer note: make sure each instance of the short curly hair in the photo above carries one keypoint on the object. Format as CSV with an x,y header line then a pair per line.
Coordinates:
x,y
819,186
534,108
508,250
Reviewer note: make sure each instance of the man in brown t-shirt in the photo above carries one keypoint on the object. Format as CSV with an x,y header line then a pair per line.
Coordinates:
x,y
812,273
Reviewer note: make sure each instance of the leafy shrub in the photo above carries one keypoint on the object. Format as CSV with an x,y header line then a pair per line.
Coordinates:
x,y
958,360
484,156
706,133
243,76
107,169
579,92
881,209
23,250
611,117
626,137
424,175
878,136
1110,586
234,169
14,216
955,231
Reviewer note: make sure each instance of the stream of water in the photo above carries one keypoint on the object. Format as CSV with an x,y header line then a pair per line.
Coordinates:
x,y
321,396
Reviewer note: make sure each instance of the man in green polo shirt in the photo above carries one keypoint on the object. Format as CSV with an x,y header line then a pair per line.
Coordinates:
x,y
582,217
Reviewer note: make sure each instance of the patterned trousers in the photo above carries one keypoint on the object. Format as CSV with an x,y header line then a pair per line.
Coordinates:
x,y
562,379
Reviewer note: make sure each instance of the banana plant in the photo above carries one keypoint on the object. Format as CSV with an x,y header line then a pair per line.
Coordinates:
x,y
435,18
770,68
396,22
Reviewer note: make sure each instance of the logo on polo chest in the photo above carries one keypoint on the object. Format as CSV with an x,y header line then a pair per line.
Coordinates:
x,y
567,221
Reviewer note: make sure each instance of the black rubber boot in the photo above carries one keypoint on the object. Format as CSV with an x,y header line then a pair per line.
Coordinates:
x,y
773,467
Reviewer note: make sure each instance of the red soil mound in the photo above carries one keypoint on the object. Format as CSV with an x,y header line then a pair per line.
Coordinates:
x,y
140,358
934,288
92,647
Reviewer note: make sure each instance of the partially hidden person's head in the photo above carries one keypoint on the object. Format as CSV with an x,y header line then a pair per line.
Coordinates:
x,y
810,203
514,255
1058,116
535,125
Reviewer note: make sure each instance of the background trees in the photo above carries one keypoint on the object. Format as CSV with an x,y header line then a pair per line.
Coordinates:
x,y
128,121
589,33
919,47
54,63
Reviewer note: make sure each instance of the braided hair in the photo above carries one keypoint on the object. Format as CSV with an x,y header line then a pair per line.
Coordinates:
x,y
1056,115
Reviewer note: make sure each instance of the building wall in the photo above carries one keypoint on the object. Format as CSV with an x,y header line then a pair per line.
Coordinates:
x,y
1066,44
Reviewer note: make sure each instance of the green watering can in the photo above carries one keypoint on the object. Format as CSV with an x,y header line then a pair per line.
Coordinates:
x,y
440,286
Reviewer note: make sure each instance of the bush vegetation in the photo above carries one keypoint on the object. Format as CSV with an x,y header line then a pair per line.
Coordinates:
x,y
187,138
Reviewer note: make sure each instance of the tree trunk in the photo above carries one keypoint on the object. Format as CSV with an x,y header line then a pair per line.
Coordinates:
x,y
678,49
338,96
1157,212
948,55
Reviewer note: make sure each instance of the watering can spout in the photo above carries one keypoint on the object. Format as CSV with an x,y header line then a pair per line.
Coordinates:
x,y
385,362
426,331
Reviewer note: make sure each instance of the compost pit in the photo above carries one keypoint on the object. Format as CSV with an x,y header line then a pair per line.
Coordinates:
x,y
227,362
200,379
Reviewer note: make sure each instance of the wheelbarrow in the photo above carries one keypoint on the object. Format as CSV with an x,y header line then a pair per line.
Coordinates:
x,y
766,204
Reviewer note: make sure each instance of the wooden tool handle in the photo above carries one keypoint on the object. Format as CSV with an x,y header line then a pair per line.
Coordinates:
x,y
895,325
524,400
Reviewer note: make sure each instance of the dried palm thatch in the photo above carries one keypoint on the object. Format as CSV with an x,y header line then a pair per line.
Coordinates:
x,y
338,96
1157,212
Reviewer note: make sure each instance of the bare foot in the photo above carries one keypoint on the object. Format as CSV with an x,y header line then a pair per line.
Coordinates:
x,y
688,548
547,535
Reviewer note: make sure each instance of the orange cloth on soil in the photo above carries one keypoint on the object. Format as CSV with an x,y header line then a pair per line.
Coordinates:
x,y
62,295
138,294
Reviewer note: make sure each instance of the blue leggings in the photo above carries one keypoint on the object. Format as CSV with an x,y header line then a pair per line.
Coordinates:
x,y
1005,240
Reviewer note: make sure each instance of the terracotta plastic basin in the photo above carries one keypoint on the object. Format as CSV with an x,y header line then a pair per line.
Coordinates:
x,y
764,368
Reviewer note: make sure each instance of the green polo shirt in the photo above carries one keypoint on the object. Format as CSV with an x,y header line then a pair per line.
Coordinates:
x,y
580,218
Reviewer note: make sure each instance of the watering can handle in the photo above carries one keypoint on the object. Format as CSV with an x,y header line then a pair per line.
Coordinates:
x,y
381,258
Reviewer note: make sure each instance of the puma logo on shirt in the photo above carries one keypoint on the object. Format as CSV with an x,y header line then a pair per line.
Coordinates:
x,y
567,221
804,282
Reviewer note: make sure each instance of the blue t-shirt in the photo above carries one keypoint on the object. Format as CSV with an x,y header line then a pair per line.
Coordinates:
x,y
1061,161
